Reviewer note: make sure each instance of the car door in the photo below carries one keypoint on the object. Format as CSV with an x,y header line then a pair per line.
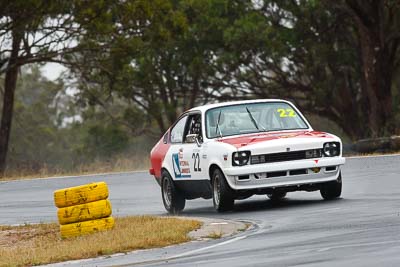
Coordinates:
x,y
178,165
193,149
185,158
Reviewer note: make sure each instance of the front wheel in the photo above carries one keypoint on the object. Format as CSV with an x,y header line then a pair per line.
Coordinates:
x,y
223,195
173,201
332,190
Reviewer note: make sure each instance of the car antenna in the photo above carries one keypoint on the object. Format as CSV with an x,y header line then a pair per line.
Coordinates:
x,y
218,128
254,121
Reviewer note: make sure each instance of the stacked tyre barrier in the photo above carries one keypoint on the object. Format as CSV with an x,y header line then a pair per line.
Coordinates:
x,y
83,209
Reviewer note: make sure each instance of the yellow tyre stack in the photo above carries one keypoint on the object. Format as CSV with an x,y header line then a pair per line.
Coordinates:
x,y
83,209
86,227
80,194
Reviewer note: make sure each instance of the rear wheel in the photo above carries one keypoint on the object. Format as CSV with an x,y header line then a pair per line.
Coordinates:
x,y
223,195
332,190
277,195
173,201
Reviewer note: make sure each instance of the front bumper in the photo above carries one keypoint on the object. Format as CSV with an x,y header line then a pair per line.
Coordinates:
x,y
289,173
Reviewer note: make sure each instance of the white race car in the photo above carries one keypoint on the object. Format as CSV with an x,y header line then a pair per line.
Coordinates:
x,y
234,150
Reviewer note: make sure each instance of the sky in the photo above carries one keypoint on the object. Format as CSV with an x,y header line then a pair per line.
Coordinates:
x,y
52,70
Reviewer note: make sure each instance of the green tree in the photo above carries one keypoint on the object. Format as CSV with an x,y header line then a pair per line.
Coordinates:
x,y
30,31
376,27
309,51
36,136
161,62
103,141
51,133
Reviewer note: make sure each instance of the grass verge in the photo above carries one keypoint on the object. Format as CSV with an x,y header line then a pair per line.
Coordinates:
x,y
393,153
29,245
117,164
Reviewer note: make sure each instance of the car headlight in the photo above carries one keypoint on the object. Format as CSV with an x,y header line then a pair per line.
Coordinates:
x,y
331,149
240,158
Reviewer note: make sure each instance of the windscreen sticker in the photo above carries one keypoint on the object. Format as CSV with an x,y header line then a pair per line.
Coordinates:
x,y
283,113
181,167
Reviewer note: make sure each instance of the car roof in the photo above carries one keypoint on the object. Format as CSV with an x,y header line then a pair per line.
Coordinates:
x,y
204,108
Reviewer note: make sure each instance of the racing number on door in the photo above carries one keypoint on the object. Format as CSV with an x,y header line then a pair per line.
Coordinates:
x,y
196,164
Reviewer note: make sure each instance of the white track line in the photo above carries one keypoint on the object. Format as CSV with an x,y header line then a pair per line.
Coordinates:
x,y
206,248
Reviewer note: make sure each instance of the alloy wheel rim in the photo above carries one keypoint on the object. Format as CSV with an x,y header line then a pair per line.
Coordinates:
x,y
216,190
167,192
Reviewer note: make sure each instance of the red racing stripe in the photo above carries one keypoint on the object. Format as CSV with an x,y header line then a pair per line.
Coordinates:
x,y
261,137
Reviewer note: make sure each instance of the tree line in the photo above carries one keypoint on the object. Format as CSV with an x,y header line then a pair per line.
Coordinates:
x,y
140,63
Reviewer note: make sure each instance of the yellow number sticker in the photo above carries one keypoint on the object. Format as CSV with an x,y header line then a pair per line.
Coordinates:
x,y
283,113
291,112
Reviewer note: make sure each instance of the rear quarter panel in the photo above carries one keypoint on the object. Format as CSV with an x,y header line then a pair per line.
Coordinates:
x,y
157,156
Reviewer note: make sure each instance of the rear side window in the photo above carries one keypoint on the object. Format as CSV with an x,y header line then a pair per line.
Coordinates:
x,y
178,130
165,138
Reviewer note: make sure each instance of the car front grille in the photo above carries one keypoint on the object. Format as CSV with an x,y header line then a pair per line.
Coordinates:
x,y
286,156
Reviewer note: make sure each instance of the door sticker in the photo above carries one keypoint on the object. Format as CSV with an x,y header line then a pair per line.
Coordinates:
x,y
181,167
196,164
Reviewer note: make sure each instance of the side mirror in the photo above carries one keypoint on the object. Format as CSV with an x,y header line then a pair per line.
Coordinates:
x,y
198,141
193,138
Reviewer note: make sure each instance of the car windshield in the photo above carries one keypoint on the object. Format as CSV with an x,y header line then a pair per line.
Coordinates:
x,y
251,118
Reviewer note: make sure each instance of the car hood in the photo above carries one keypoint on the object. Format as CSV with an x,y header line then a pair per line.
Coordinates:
x,y
295,140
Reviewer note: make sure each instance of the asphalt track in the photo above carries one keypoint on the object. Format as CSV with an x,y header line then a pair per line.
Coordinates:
x,y
360,229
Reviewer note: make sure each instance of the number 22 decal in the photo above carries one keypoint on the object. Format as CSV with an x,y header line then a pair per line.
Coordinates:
x,y
286,112
196,165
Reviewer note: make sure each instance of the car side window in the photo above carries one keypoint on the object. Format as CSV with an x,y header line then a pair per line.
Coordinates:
x,y
165,138
178,130
194,126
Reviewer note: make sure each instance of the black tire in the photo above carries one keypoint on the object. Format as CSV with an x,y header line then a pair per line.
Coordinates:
x,y
277,196
223,195
332,190
173,201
